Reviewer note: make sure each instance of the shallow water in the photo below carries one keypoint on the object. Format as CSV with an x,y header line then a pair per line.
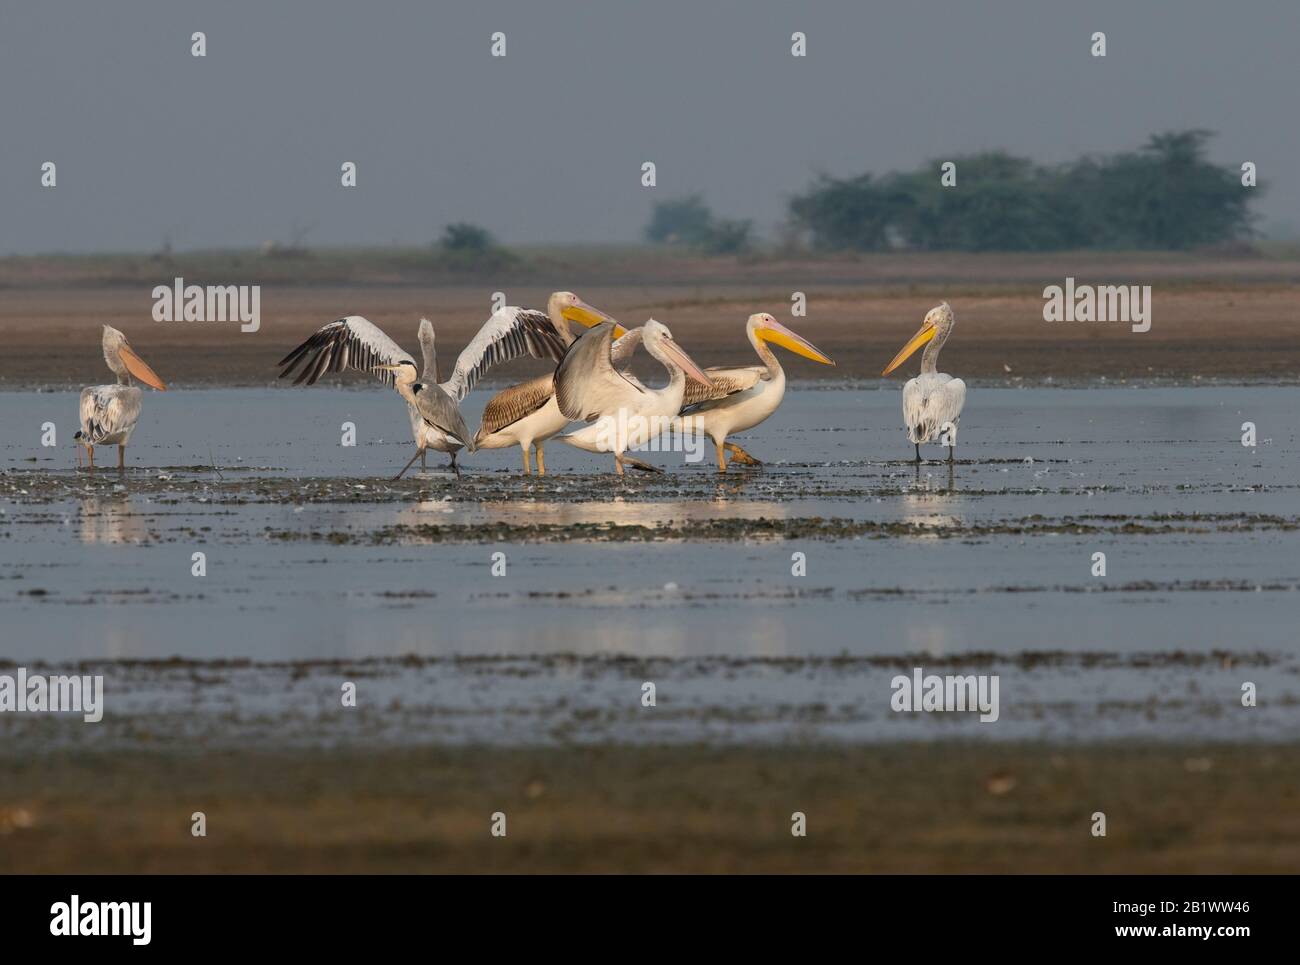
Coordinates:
x,y
312,553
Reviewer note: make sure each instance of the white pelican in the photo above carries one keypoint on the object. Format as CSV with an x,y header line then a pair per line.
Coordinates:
x,y
625,414
745,395
109,412
353,342
932,402
527,415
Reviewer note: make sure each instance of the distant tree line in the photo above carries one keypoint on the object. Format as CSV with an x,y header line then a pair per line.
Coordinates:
x,y
1165,195
689,222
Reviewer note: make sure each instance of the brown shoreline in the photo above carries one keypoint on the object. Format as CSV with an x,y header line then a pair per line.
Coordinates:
x,y
1213,318
902,808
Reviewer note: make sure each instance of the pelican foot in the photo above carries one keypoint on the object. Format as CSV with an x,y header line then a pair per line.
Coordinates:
x,y
739,455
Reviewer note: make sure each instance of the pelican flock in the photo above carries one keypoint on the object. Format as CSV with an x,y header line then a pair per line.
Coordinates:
x,y
932,402
109,412
434,405
591,382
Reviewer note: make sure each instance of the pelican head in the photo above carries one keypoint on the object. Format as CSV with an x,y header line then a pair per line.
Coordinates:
x,y
658,341
404,372
767,329
123,361
936,326
571,308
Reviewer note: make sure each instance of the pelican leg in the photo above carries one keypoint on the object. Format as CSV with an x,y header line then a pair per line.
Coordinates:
x,y
455,468
121,458
412,463
918,454
952,452
618,463
528,469
722,459
423,465
740,455
90,454
541,462
79,455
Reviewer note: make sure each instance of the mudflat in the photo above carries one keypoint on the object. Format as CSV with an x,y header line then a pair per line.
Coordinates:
x,y
903,808
1234,318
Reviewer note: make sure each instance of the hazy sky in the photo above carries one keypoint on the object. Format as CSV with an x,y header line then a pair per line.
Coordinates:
x,y
547,144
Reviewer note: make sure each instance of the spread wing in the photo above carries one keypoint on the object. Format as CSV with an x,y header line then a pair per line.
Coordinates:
x,y
586,383
507,335
107,410
726,381
620,353
350,342
439,410
510,405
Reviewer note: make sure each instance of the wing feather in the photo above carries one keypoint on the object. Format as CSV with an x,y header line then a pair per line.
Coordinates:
x,y
510,405
930,402
586,382
507,335
620,353
107,410
350,342
726,381
441,411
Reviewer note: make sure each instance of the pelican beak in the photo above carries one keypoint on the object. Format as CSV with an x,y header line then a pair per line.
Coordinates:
x,y
137,367
584,314
778,334
686,363
926,332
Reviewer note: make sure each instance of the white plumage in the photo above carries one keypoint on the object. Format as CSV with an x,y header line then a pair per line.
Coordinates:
x,y
109,414
589,387
526,415
743,396
933,401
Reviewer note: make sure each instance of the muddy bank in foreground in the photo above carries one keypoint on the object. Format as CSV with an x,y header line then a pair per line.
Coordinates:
x,y
1170,808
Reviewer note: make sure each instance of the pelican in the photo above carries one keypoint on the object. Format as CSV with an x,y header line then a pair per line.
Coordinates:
x,y
625,414
932,402
109,412
355,343
526,415
744,395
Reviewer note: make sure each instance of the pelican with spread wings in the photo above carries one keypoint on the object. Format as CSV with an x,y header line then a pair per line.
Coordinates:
x,y
624,414
526,415
742,396
932,402
434,405
109,412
